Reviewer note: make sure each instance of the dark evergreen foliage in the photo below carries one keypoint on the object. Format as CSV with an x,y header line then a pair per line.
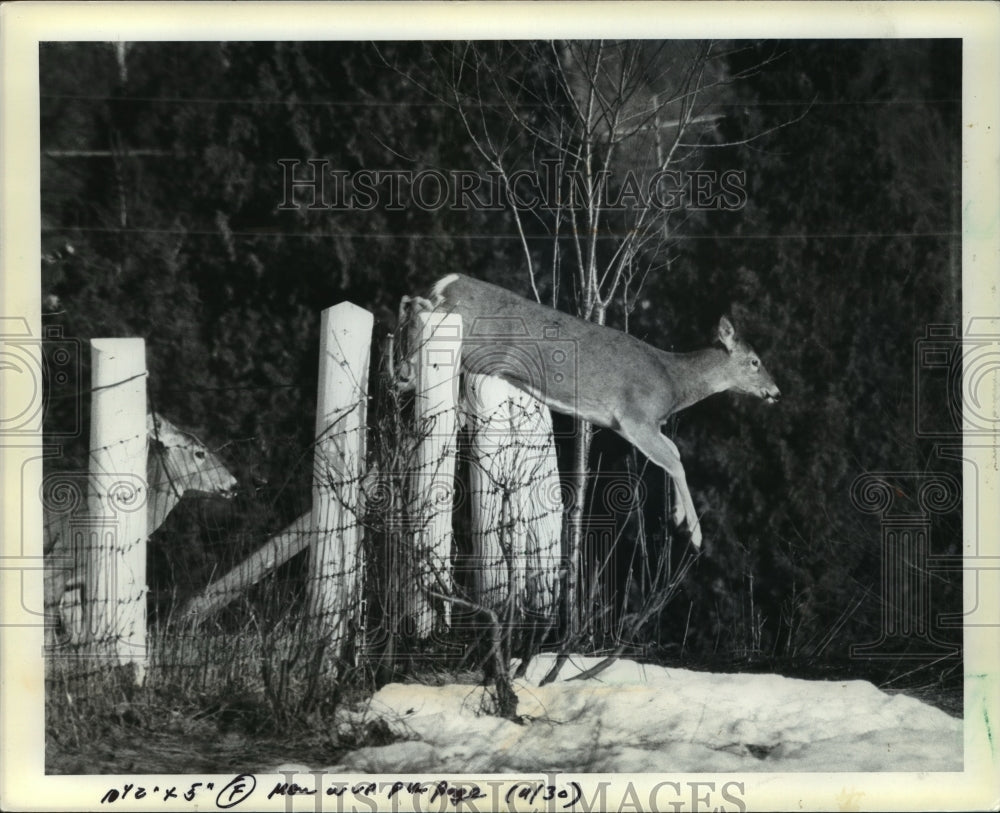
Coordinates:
x,y
847,249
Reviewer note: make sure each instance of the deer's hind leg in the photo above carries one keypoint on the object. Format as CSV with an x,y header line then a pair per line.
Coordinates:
x,y
402,370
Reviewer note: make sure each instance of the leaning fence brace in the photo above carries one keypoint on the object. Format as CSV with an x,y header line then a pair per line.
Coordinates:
x,y
538,501
114,549
335,561
275,552
516,506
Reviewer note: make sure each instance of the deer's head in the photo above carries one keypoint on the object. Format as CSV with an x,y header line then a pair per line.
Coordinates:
x,y
745,371
184,464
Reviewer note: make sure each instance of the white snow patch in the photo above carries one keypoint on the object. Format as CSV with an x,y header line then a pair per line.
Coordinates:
x,y
634,718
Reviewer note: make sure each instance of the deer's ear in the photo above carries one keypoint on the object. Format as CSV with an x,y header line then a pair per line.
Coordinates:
x,y
726,334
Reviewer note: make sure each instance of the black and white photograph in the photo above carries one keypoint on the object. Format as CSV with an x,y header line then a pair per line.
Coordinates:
x,y
517,406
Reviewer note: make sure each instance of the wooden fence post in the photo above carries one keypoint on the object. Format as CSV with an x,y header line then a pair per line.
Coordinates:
x,y
516,499
114,551
439,353
335,561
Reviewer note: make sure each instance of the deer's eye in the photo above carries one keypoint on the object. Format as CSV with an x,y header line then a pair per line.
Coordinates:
x,y
200,454
755,363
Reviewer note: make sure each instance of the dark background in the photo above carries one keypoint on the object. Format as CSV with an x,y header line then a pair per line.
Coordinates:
x,y
160,193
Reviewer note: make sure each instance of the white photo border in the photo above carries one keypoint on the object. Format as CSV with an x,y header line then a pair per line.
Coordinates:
x,y
23,782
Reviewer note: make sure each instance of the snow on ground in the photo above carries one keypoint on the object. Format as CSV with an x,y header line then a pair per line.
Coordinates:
x,y
634,718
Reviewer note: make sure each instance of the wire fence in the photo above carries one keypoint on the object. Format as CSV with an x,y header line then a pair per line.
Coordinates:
x,y
456,506
439,527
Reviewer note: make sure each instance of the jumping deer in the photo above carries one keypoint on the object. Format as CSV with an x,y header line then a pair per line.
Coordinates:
x,y
596,373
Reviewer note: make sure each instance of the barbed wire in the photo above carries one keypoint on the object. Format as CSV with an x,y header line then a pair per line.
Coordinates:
x,y
376,594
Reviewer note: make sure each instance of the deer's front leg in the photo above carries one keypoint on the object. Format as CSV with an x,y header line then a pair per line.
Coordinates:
x,y
664,453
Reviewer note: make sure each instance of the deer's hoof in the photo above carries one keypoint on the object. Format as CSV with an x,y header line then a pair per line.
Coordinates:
x,y
406,377
417,304
677,514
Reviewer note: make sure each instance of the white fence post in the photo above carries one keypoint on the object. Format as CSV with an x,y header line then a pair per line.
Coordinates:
x,y
335,564
114,553
439,353
515,496
540,502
